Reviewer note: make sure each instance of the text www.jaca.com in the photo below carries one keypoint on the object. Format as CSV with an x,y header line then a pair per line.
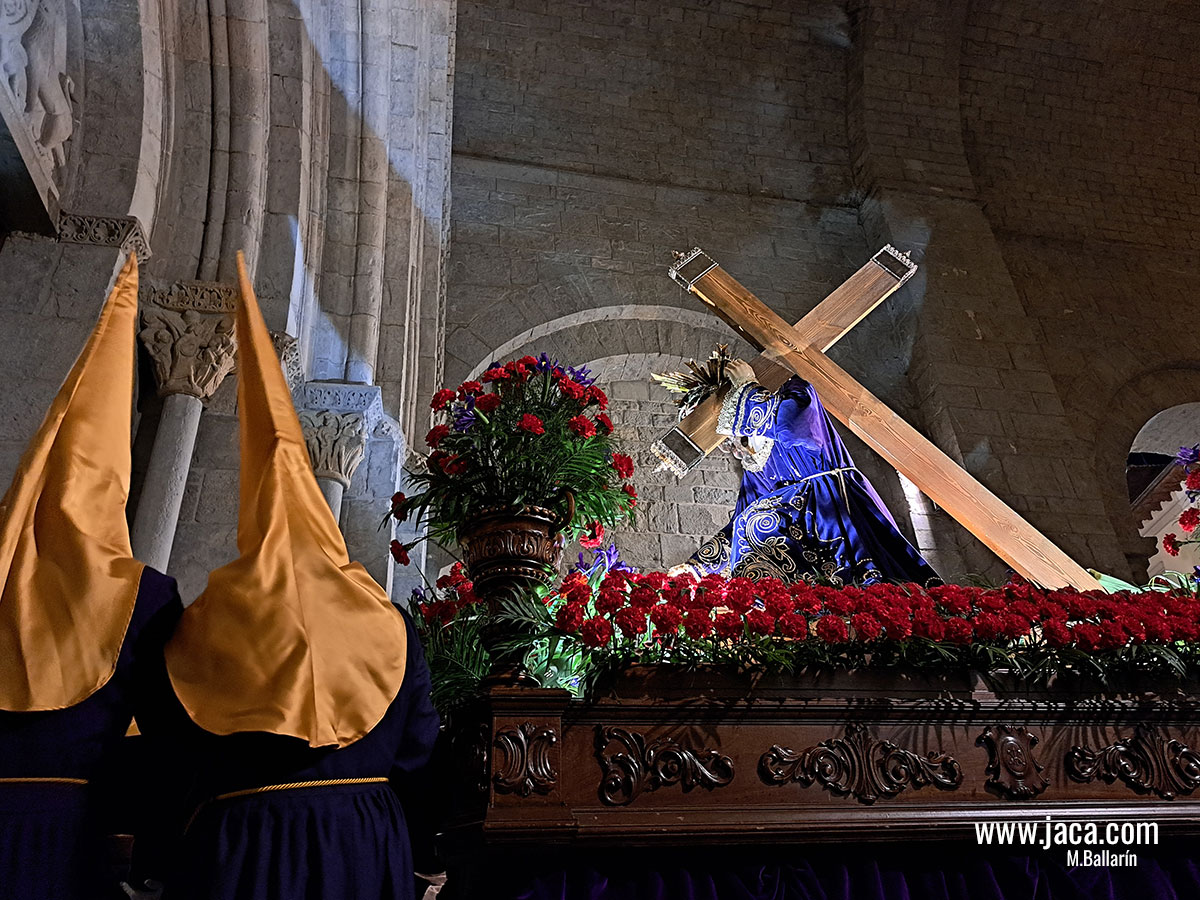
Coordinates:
x,y
1087,843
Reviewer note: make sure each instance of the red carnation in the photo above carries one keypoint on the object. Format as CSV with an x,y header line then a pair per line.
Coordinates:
x,y
570,616
793,626
728,625
628,489
604,423
572,389
487,403
496,373
529,362
469,389
832,629
582,426
441,398
466,594
632,622
666,618
759,621
1189,519
531,423
436,435
597,396
1056,632
608,601
623,465
398,499
866,626
643,597
1192,482
577,592
1170,543
400,553
593,537
596,631
740,595
698,624
454,465
958,630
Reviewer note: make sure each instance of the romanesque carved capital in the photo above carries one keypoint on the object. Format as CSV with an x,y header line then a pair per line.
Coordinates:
x,y
189,332
288,349
337,442
123,232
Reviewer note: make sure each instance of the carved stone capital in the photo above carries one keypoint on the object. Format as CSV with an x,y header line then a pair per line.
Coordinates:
x,y
288,349
123,232
337,442
188,331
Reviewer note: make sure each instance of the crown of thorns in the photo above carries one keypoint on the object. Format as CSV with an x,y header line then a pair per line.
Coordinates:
x,y
692,388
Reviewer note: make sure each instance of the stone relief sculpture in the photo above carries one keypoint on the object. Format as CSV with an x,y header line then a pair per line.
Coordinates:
x,y
33,66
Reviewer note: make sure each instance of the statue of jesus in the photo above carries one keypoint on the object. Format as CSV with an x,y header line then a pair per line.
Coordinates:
x,y
804,511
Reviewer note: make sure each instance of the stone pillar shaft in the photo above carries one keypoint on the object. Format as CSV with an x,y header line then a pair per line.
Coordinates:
x,y
153,530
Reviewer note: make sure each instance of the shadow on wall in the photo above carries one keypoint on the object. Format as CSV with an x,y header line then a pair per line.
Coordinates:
x,y
351,201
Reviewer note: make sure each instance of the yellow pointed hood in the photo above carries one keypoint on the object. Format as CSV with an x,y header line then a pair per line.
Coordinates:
x,y
68,579
291,638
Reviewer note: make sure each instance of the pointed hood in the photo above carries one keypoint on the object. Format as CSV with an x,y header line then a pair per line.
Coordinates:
x,y
68,579
291,638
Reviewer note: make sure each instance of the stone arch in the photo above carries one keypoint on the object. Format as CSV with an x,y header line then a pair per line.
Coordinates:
x,y
1128,409
622,331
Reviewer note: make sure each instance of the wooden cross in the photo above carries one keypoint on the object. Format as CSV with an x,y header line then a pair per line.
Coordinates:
x,y
801,349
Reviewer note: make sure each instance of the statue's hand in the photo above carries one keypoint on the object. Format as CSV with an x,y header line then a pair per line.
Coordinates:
x,y
739,372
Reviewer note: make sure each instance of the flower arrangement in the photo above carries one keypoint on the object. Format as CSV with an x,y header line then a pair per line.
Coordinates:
x,y
1189,519
632,619
527,432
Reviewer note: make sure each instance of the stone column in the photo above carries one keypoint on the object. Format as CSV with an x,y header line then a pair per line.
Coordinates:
x,y
189,332
337,419
337,443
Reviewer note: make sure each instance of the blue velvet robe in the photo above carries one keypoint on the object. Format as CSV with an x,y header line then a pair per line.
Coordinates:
x,y
52,836
347,842
809,513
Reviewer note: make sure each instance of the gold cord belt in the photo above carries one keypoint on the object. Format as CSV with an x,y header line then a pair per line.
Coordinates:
x,y
271,788
80,781
298,785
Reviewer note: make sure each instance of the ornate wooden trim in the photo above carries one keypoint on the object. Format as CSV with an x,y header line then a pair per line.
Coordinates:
x,y
1012,768
639,766
1147,762
523,764
860,765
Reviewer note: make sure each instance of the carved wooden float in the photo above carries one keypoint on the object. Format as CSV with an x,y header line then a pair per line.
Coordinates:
x,y
674,758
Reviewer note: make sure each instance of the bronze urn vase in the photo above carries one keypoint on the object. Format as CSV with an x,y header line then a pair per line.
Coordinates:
x,y
508,551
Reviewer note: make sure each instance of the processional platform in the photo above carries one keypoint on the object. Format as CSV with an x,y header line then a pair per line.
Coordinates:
x,y
681,758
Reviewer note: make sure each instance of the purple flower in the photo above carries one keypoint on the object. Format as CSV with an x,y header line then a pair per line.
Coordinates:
x,y
418,595
583,375
464,416
1188,455
1196,574
603,562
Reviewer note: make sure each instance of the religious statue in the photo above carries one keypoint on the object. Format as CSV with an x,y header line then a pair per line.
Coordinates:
x,y
804,511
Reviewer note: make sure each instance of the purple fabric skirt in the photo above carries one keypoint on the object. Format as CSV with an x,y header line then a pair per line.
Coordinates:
x,y
342,842
49,848
922,870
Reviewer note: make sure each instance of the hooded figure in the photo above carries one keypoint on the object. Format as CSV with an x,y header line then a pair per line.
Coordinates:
x,y
293,689
804,511
82,623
